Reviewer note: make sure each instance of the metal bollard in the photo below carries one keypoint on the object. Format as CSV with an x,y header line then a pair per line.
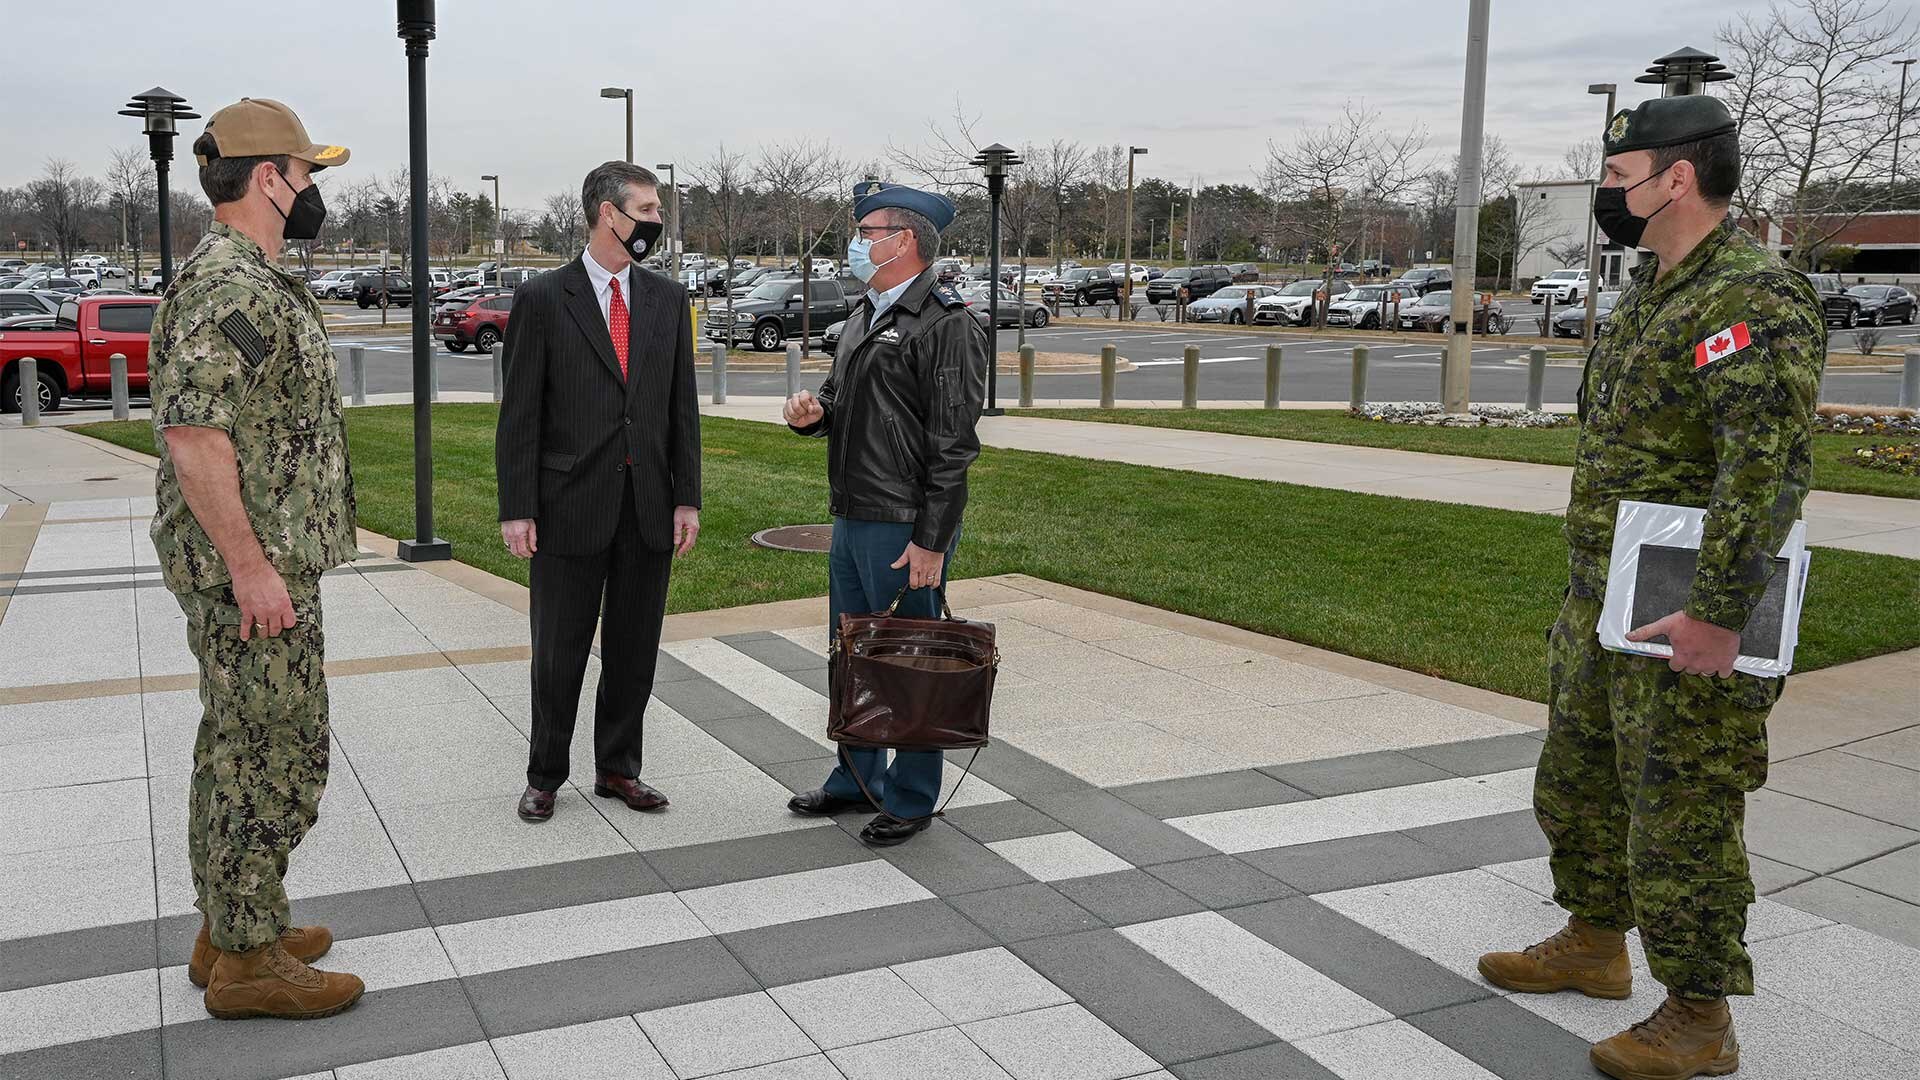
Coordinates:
x,y
117,372
793,370
1359,396
357,374
1273,376
1026,376
1536,376
1441,394
499,370
1190,382
433,376
1910,381
1109,360
718,352
29,376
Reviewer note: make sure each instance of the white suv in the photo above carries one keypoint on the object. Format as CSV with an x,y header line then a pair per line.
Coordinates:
x,y
1563,286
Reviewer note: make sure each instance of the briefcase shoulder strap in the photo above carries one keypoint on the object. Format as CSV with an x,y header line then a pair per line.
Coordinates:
x,y
941,812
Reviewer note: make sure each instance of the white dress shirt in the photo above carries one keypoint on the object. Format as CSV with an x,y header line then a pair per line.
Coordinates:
x,y
884,300
601,276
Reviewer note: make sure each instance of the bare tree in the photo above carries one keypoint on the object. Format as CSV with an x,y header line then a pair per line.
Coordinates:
x,y
945,160
724,175
1318,181
810,188
1060,167
1817,109
563,222
1582,159
130,192
1534,228
61,200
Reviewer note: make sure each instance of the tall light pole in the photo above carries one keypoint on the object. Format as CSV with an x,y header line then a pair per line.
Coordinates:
x,y
499,237
1127,310
417,29
623,92
1900,116
994,161
1593,233
161,109
675,230
1466,214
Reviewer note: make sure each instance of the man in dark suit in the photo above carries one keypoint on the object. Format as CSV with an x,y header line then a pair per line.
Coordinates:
x,y
598,457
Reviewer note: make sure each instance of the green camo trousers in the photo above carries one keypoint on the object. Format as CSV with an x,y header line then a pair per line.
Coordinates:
x,y
259,764
1642,794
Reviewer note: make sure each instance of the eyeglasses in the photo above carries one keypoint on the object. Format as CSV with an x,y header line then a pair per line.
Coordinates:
x,y
875,232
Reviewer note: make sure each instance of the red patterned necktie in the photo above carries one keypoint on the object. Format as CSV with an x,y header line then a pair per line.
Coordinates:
x,y
617,324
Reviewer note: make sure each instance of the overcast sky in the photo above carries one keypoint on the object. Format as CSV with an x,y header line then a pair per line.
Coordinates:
x,y
513,84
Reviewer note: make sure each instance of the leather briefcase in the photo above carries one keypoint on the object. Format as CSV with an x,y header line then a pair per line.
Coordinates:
x,y
903,683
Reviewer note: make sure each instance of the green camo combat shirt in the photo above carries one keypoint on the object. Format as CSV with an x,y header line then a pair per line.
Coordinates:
x,y
238,345
1701,393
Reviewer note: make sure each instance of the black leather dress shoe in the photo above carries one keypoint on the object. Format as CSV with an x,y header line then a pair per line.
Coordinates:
x,y
887,830
536,805
636,795
818,803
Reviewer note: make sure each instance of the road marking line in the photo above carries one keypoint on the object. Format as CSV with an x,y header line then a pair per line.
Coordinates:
x,y
1169,361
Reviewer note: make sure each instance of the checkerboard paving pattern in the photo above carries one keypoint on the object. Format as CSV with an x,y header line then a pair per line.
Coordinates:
x,y
1180,858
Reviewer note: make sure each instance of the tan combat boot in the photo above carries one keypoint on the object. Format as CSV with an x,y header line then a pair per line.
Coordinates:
x,y
268,982
1682,1038
304,943
1580,957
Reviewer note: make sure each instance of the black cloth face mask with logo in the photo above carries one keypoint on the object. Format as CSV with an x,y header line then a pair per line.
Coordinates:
x,y
645,234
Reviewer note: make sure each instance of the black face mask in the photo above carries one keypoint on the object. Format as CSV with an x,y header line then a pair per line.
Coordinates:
x,y
645,234
308,214
1620,224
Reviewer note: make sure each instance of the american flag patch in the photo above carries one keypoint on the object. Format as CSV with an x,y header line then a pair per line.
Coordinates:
x,y
1721,345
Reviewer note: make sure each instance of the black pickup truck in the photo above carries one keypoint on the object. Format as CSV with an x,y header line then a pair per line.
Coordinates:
x,y
1199,281
382,290
770,314
1084,285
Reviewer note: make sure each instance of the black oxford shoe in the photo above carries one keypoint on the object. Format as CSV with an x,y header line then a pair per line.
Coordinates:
x,y
887,830
817,803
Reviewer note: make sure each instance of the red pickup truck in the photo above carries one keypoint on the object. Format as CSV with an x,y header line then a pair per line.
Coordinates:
x,y
72,348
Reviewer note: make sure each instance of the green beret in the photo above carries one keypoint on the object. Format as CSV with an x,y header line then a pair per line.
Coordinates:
x,y
1668,121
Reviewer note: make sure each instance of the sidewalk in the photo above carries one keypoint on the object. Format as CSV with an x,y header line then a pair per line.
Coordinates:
x,y
1190,849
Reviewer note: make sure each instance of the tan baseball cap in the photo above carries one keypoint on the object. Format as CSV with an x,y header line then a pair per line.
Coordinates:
x,y
262,127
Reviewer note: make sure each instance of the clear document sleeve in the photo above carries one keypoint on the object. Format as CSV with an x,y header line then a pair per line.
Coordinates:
x,y
1655,549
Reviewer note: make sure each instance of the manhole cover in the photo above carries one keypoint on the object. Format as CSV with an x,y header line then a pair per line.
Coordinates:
x,y
796,538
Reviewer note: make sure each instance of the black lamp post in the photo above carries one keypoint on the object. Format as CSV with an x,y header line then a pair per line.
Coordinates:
x,y
416,29
1685,71
995,159
162,110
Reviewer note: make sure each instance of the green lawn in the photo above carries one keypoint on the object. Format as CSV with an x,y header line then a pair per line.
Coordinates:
x,y
1460,592
1833,465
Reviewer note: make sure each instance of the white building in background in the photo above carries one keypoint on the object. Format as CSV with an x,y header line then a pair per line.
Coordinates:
x,y
1565,207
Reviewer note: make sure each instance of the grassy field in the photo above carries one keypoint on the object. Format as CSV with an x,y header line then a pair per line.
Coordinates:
x,y
1833,465
1460,592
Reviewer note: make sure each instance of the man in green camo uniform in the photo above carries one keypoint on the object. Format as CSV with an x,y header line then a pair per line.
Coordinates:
x,y
255,503
1701,393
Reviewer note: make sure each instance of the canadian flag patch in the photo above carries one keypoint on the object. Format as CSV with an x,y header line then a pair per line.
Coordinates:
x,y
1721,345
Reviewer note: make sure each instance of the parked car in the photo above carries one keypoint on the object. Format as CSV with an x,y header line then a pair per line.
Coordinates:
x,y
508,278
73,348
1433,311
1082,286
1360,307
978,273
947,271
1229,305
1561,286
1841,308
743,282
479,322
149,282
1423,280
1199,281
8,281
1572,320
1293,303
51,283
1013,307
1243,272
8,266
382,290
771,313
334,283
26,302
1883,304
1038,275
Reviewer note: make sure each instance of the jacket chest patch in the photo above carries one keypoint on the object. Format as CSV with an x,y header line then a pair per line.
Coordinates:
x,y
890,335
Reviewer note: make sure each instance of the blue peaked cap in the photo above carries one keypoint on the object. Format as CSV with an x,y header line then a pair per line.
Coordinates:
x,y
871,195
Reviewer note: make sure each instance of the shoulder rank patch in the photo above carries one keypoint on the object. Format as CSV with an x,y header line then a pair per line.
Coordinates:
x,y
1721,345
238,329
948,296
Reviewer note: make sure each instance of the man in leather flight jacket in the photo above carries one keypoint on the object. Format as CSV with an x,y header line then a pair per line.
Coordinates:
x,y
898,413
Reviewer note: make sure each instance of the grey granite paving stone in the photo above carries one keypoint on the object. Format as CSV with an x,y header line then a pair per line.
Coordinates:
x,y
775,651
387,1023
1126,897
707,1037
863,1007
1352,861
77,954
1022,912
856,941
537,888
607,985
945,861
1209,794
668,668
1008,819
1062,1043
1835,899
1131,833
1478,757
698,866
1859,785
943,1054
1153,1006
1896,874
1355,772
1383,971
802,774
1017,772
1814,836
1277,1061
1771,877
1507,1040
980,985
1483,841
763,740
133,1056
701,699
1222,881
